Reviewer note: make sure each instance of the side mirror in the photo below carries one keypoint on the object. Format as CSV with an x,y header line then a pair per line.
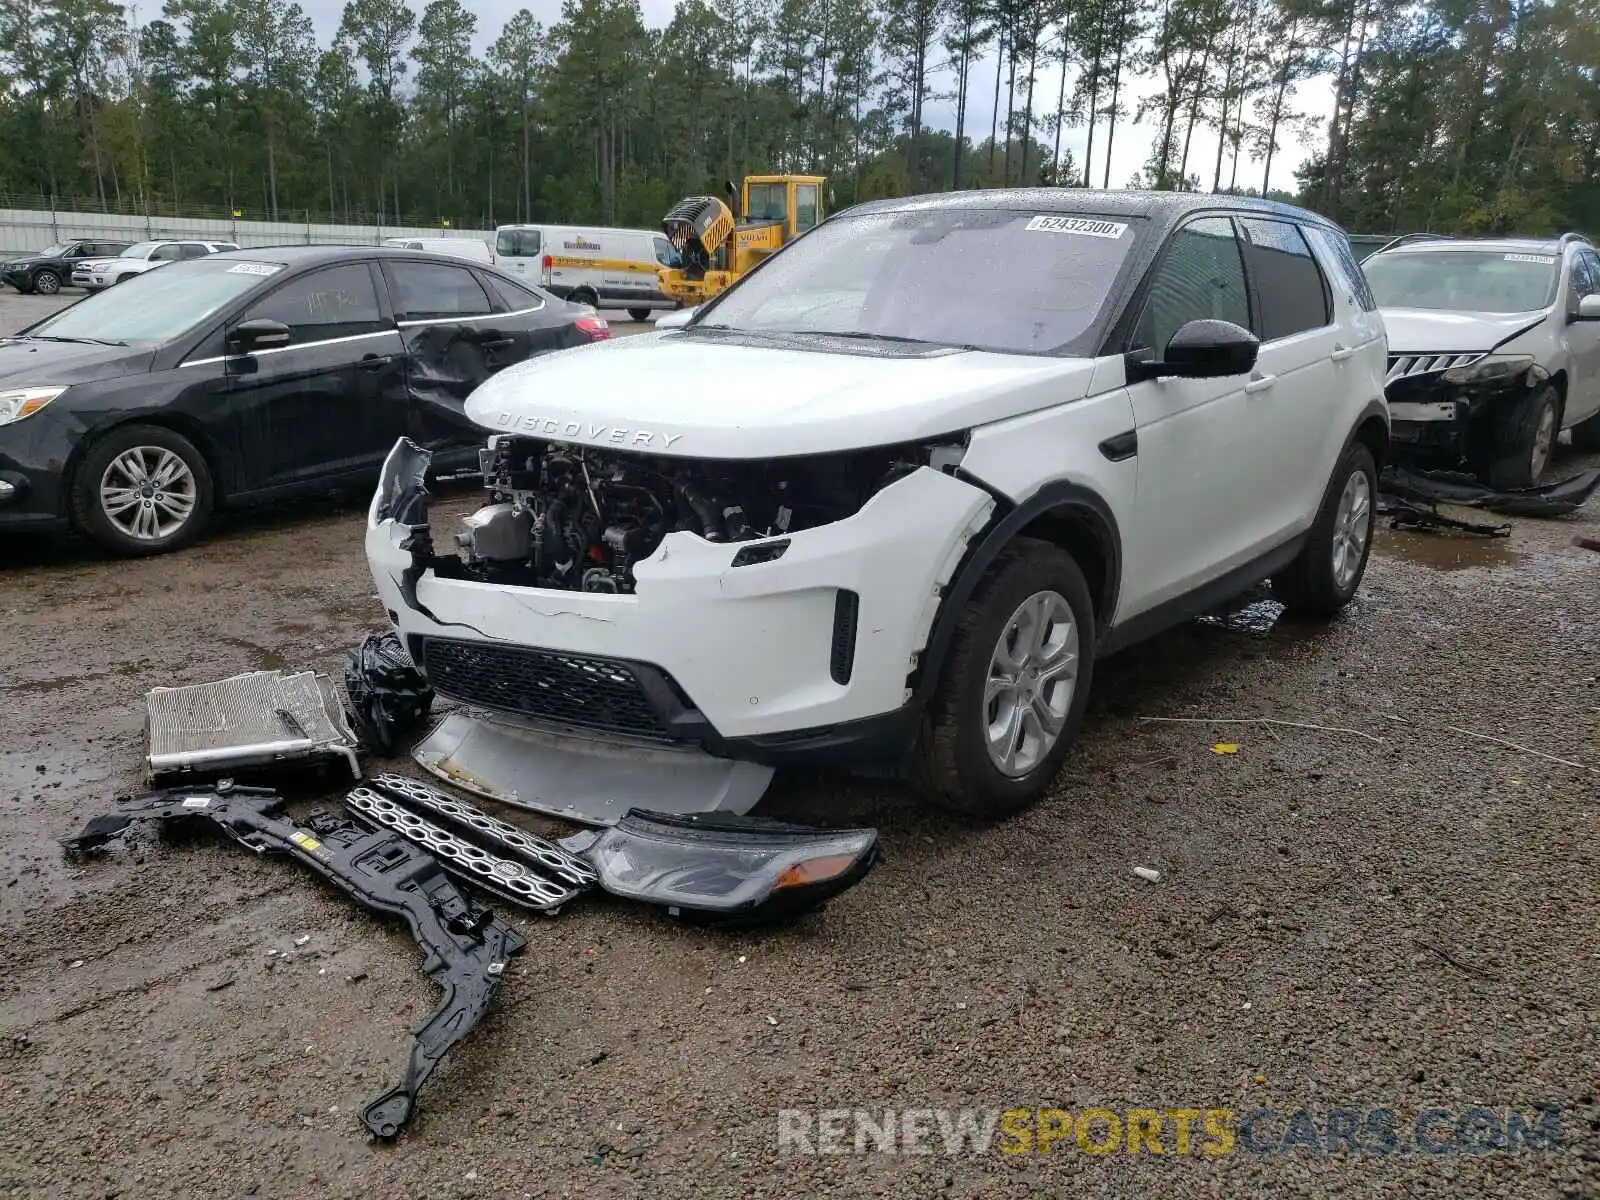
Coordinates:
x,y
249,336
1588,308
1206,349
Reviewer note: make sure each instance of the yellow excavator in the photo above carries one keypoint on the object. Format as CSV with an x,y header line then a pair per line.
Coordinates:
x,y
715,249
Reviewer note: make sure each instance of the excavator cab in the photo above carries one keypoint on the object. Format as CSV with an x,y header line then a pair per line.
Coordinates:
x,y
792,201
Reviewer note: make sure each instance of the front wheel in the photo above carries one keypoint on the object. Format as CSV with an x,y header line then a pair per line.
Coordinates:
x,y
47,283
1523,440
639,314
1012,692
142,489
1327,572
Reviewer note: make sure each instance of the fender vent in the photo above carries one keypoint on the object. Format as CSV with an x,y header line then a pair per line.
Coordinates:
x,y
846,608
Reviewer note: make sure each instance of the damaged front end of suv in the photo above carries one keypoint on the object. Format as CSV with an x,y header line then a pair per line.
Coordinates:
x,y
629,627
1450,408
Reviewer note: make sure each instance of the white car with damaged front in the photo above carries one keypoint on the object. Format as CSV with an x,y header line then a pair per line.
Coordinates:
x,y
885,502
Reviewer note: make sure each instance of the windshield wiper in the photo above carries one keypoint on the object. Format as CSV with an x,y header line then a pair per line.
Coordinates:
x,y
41,337
860,336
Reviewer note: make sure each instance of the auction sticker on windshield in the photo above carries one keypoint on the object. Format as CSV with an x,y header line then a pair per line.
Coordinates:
x,y
1542,259
254,268
1083,226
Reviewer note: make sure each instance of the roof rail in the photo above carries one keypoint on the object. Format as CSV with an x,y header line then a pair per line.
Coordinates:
x,y
1567,238
1411,237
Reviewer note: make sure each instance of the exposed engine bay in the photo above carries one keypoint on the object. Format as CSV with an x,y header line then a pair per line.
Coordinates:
x,y
579,518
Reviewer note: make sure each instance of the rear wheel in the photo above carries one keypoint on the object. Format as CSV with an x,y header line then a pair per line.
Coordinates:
x,y
639,314
46,283
1012,692
585,296
1327,572
142,489
1523,440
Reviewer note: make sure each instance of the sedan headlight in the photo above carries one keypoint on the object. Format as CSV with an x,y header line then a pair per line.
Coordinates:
x,y
16,403
1497,368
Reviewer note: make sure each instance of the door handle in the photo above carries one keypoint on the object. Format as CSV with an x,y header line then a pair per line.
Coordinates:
x,y
372,362
1340,353
1260,383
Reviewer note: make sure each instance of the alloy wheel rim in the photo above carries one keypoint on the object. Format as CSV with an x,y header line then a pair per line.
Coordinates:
x,y
1544,440
1033,674
1352,527
47,284
148,493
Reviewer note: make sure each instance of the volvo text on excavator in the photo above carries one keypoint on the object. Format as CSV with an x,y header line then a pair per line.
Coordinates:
x,y
716,249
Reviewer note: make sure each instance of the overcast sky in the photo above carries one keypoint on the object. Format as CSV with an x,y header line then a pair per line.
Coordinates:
x,y
1130,148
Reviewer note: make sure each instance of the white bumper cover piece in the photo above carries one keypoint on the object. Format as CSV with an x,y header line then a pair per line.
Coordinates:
x,y
584,779
749,646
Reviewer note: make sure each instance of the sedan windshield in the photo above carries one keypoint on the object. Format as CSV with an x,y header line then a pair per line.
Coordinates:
x,y
1011,281
158,305
1463,280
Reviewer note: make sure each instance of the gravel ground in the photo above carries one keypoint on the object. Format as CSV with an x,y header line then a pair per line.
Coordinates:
x,y
1341,922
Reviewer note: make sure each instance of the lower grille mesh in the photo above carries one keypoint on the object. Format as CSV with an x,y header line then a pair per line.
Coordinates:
x,y
571,689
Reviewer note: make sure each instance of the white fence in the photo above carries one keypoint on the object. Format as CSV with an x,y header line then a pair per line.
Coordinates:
x,y
23,230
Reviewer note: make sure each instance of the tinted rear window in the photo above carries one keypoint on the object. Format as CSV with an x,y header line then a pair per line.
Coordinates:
x,y
1293,295
996,279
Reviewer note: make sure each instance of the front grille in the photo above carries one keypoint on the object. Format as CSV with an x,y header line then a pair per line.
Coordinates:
x,y
1405,366
569,689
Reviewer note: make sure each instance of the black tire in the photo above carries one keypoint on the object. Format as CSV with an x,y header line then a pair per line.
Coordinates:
x,y
639,314
1586,435
1312,586
1511,459
46,283
89,515
585,296
951,766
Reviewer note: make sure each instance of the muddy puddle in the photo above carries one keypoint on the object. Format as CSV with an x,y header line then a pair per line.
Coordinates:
x,y
1448,552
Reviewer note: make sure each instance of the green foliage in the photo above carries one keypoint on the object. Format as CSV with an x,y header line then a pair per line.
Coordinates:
x,y
1449,116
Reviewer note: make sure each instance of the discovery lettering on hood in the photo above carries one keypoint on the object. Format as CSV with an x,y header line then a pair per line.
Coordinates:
x,y
589,431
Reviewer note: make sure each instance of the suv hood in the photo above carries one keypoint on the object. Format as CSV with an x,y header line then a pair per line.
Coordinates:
x,y
677,394
1429,331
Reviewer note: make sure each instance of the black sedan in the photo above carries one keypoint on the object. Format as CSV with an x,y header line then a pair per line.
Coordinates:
x,y
253,375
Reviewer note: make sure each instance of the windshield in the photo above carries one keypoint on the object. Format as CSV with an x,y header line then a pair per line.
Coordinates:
x,y
990,279
767,202
55,251
139,250
158,305
1463,280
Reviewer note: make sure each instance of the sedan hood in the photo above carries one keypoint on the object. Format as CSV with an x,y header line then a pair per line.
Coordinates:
x,y
1429,331
680,394
25,363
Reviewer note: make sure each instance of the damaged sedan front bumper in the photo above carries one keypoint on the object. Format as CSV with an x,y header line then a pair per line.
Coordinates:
x,y
734,648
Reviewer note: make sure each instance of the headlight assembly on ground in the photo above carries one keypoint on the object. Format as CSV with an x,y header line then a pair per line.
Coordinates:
x,y
727,869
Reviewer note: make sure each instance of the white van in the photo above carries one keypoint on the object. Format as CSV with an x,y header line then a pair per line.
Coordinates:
x,y
460,247
606,268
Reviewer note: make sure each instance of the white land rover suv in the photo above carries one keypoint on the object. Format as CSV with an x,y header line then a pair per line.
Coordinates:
x,y
1494,349
886,501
